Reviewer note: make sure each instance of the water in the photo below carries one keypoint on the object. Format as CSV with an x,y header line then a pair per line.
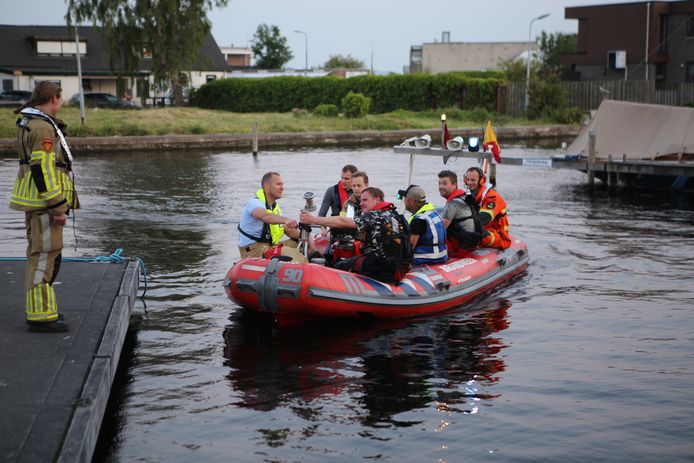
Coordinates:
x,y
587,357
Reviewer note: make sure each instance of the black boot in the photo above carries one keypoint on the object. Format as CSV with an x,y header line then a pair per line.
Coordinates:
x,y
58,326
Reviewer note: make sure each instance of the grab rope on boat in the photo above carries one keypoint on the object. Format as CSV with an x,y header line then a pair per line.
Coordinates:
x,y
115,257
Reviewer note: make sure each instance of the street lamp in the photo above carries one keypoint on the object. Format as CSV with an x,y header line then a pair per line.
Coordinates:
x,y
306,48
527,66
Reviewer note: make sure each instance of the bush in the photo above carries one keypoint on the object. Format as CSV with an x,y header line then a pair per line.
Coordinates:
x,y
546,97
413,92
567,115
326,110
356,105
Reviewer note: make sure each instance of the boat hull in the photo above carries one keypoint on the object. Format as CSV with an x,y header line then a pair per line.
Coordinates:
x,y
305,291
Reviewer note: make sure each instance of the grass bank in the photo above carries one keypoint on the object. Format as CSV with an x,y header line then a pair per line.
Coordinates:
x,y
195,121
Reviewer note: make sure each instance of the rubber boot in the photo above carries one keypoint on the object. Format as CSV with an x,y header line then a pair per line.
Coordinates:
x,y
58,326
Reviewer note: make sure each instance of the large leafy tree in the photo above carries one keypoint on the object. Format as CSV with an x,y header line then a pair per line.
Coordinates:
x,y
343,62
172,31
269,48
553,45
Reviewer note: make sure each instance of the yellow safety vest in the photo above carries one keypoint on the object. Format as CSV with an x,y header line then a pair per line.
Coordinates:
x,y
426,207
276,230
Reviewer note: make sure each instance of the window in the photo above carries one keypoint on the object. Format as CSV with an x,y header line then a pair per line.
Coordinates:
x,y
660,73
662,42
689,70
59,48
690,26
7,85
210,77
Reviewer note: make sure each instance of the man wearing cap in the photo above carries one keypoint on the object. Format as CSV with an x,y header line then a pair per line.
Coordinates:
x,y
427,230
463,228
262,225
492,209
336,195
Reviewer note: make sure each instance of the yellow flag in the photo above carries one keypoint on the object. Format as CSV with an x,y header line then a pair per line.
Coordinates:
x,y
491,143
489,134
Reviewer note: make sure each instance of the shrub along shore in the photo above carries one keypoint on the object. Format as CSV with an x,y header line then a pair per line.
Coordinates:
x,y
191,127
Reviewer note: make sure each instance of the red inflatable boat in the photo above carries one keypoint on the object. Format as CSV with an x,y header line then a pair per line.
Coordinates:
x,y
297,291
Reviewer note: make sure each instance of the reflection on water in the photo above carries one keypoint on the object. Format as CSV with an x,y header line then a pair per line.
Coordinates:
x,y
586,357
393,367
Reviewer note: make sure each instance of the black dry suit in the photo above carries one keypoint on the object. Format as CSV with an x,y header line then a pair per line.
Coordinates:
x,y
388,252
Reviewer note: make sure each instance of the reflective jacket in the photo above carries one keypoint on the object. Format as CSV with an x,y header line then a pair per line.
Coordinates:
x,y
431,246
271,233
43,180
493,206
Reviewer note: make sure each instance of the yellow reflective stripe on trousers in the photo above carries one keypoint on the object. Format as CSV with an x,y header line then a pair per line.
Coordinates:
x,y
40,307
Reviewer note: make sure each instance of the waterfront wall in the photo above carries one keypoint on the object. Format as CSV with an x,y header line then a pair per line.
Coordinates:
x,y
87,145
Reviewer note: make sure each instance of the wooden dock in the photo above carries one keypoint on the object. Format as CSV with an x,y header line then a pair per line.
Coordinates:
x,y
54,387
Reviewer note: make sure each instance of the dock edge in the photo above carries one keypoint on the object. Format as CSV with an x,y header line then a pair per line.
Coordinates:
x,y
83,432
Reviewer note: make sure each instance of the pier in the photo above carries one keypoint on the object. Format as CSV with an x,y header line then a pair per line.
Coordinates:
x,y
614,172
54,387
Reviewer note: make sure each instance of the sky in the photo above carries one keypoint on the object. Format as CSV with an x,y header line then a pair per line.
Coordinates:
x,y
378,31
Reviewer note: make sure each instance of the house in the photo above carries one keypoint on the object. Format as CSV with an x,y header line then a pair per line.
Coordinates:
x,y
32,53
447,56
634,41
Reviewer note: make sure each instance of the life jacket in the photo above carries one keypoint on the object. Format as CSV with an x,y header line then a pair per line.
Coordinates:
x,y
464,232
341,195
271,233
490,202
351,208
43,180
431,246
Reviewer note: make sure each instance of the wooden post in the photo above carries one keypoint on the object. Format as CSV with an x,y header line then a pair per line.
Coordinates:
x,y
255,139
591,157
492,170
611,176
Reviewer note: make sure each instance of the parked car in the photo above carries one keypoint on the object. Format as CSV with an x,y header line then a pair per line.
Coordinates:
x,y
102,100
14,97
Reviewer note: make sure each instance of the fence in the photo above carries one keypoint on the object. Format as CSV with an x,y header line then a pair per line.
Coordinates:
x,y
588,94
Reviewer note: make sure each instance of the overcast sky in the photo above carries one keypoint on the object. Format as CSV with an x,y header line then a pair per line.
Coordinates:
x,y
384,29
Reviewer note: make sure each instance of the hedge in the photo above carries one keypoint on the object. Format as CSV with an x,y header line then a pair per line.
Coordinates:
x,y
415,92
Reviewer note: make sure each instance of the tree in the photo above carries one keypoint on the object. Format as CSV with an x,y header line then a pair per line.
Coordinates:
x,y
172,31
515,70
551,46
343,62
270,49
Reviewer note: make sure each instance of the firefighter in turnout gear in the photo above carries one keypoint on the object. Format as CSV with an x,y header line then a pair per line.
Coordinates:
x,y
45,192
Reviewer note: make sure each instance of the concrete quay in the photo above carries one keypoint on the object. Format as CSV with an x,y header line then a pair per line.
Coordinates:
x,y
86,145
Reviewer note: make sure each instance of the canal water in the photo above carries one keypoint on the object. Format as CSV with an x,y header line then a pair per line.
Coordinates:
x,y
586,357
